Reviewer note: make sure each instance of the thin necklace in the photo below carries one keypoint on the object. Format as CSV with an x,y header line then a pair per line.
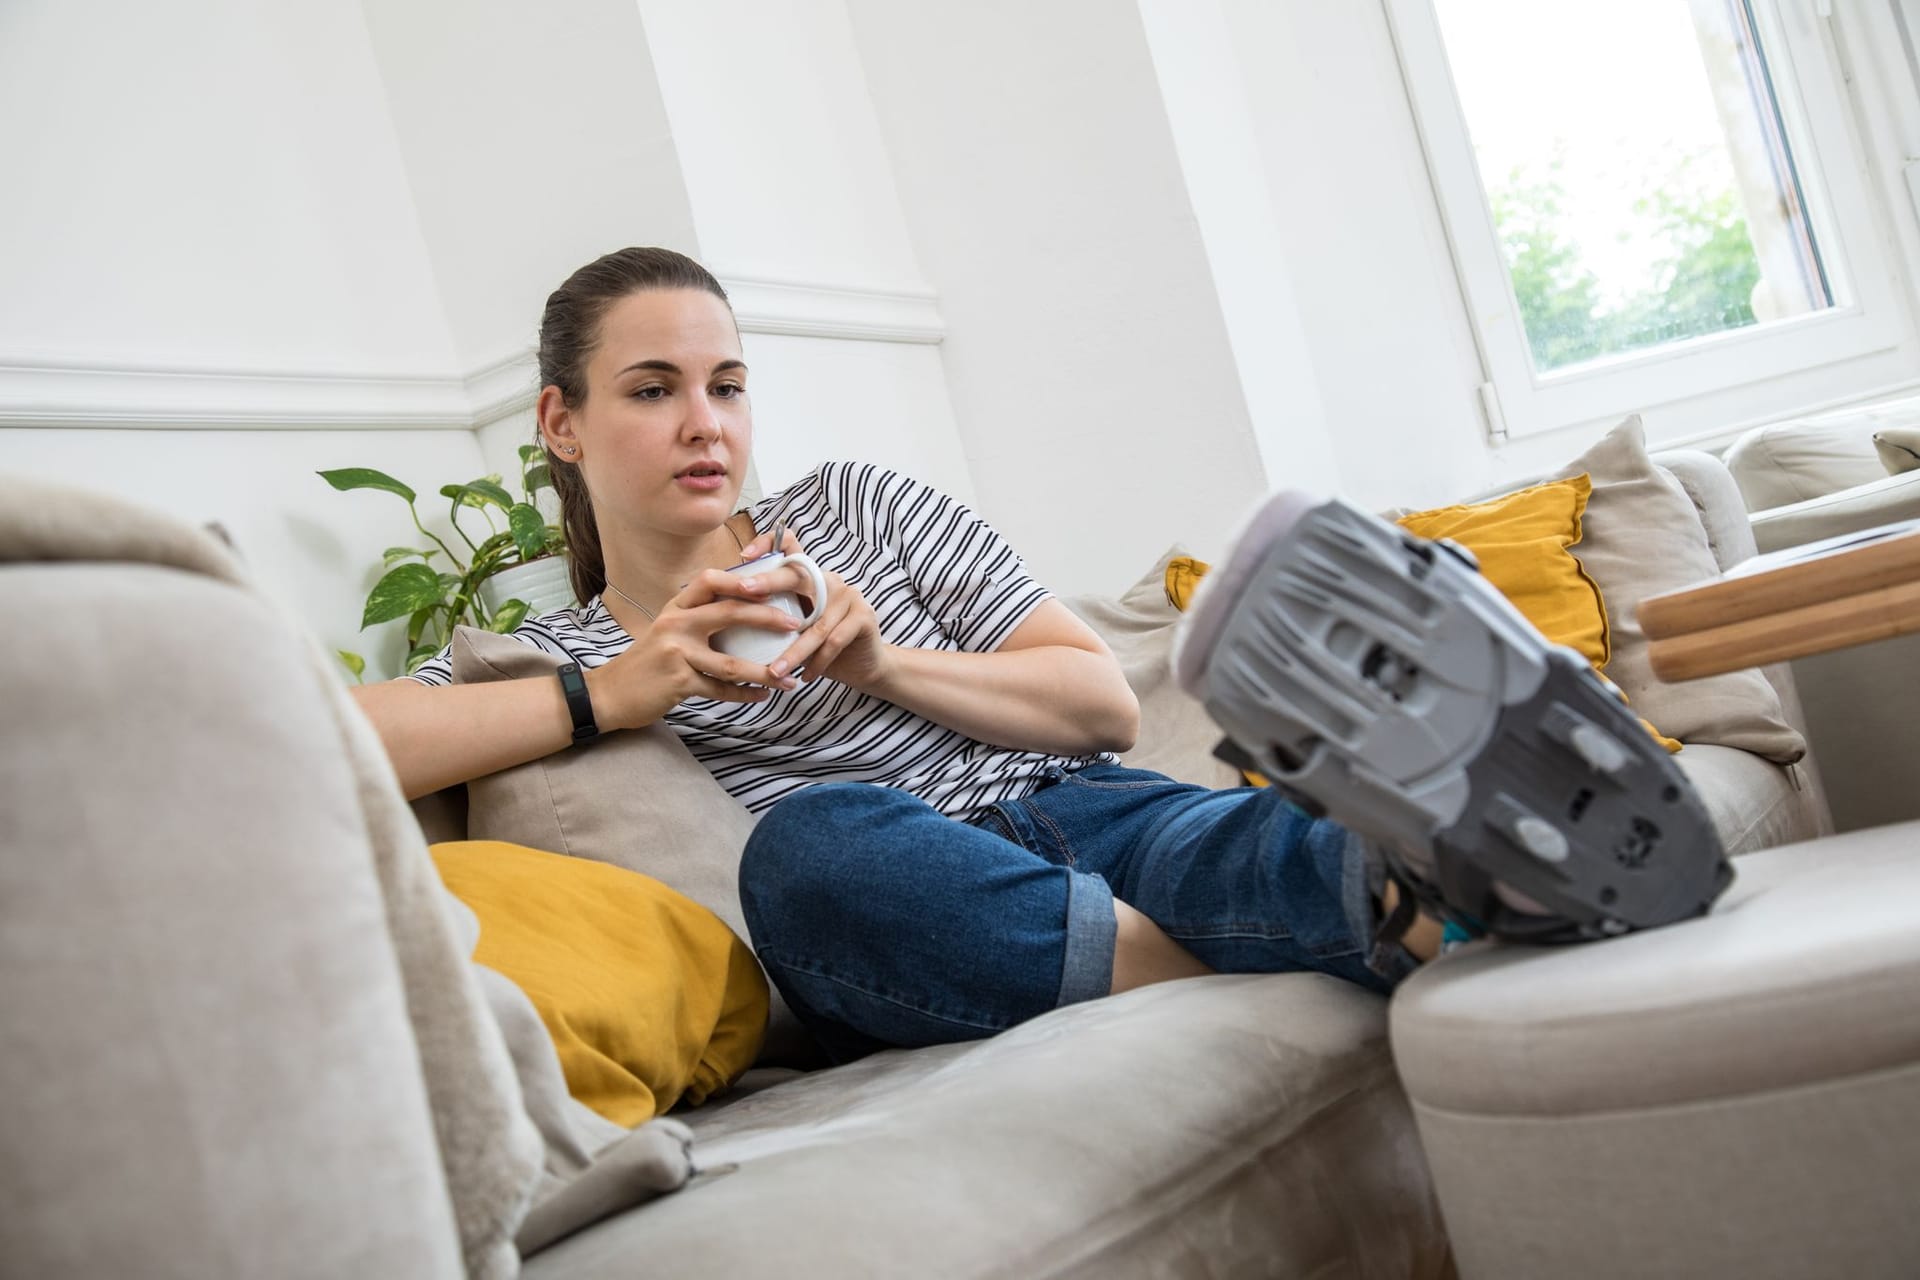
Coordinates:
x,y
642,608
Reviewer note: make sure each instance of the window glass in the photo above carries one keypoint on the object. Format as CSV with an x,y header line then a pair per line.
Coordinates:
x,y
1635,166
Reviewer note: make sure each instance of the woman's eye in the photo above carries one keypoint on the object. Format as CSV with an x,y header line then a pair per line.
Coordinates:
x,y
654,392
729,390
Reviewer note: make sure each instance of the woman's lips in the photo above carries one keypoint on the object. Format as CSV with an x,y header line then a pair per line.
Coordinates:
x,y
703,483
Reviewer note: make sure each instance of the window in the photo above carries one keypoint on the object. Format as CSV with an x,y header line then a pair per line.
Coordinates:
x,y
1654,205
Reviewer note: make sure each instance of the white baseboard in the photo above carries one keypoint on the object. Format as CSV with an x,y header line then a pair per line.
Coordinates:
x,y
37,391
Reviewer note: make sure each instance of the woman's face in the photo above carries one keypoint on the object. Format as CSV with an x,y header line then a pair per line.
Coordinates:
x,y
665,432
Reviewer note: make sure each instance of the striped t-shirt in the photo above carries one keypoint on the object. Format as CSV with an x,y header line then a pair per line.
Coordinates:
x,y
937,576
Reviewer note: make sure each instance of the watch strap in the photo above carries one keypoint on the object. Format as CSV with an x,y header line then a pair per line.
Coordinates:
x,y
579,705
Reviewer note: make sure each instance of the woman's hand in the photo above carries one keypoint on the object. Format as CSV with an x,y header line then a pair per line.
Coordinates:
x,y
844,643
674,658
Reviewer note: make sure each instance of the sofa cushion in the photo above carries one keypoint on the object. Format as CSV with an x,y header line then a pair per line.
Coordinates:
x,y
1899,449
1177,736
648,996
1754,803
1644,538
1232,1125
1787,462
636,799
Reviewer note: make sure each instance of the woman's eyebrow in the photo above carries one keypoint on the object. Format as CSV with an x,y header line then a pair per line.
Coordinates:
x,y
667,366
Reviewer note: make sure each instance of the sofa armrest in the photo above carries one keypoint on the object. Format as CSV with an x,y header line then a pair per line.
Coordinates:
x,y
1864,506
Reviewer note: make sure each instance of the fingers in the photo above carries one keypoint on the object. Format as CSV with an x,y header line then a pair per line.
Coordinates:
x,y
726,670
717,584
722,691
762,544
833,646
817,646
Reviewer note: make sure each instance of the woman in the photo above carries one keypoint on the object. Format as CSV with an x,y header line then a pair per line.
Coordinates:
x,y
947,846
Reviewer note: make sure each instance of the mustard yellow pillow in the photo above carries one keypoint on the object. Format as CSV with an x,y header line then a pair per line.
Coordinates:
x,y
649,997
1524,543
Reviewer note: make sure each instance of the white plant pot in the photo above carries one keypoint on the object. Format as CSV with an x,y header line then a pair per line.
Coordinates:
x,y
543,584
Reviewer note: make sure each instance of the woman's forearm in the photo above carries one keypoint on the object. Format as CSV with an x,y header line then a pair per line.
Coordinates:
x,y
1052,698
436,737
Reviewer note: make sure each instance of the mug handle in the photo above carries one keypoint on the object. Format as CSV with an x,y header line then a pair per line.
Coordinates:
x,y
819,585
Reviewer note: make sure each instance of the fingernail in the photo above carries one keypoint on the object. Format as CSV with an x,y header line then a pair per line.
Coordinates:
x,y
779,668
789,683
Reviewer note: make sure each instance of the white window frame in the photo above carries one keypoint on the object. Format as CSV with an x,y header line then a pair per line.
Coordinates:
x,y
1701,387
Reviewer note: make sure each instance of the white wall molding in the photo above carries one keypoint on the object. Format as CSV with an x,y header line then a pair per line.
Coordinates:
x,y
44,393
505,387
38,391
805,309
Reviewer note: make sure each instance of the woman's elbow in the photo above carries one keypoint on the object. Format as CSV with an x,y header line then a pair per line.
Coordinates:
x,y
1121,725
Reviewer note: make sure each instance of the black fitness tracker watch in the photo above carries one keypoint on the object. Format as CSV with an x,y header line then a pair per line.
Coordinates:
x,y
579,705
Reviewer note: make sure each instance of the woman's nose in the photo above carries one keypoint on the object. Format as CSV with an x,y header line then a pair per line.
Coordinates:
x,y
702,423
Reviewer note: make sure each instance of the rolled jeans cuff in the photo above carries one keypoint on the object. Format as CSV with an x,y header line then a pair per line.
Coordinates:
x,y
1363,879
1087,971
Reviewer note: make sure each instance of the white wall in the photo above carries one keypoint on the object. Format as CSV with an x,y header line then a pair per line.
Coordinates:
x,y
1208,109
312,548
535,141
214,185
1106,270
778,142
1091,372
1385,325
821,399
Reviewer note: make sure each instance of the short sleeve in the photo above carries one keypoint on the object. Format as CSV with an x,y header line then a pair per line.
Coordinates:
x,y
435,670
535,633
967,576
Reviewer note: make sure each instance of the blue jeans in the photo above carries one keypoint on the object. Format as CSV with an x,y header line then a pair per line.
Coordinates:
x,y
884,922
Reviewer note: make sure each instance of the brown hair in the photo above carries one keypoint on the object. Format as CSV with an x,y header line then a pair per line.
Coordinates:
x,y
569,333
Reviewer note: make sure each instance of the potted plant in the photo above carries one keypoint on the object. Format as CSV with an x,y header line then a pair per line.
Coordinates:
x,y
498,583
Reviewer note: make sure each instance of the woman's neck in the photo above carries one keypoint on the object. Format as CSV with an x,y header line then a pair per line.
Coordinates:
x,y
651,566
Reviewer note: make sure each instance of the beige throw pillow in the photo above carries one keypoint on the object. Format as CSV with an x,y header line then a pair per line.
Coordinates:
x,y
636,799
1899,449
1177,736
1644,538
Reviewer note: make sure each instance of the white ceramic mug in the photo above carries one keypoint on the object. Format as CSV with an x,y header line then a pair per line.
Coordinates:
x,y
758,644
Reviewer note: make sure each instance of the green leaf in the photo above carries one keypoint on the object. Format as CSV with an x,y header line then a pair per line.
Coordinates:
x,y
539,477
528,452
392,554
529,530
478,493
365,478
494,490
510,615
354,663
417,624
402,591
556,540
449,583
419,654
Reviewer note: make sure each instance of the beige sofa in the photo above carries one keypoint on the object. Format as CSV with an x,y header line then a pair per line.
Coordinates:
x,y
216,1063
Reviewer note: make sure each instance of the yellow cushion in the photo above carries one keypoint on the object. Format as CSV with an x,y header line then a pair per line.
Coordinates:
x,y
1524,541
649,997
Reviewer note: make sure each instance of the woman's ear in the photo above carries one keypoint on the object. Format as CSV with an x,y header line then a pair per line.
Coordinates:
x,y
556,425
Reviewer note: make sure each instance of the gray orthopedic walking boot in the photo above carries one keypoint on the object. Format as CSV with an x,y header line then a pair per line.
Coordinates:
x,y
1378,678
